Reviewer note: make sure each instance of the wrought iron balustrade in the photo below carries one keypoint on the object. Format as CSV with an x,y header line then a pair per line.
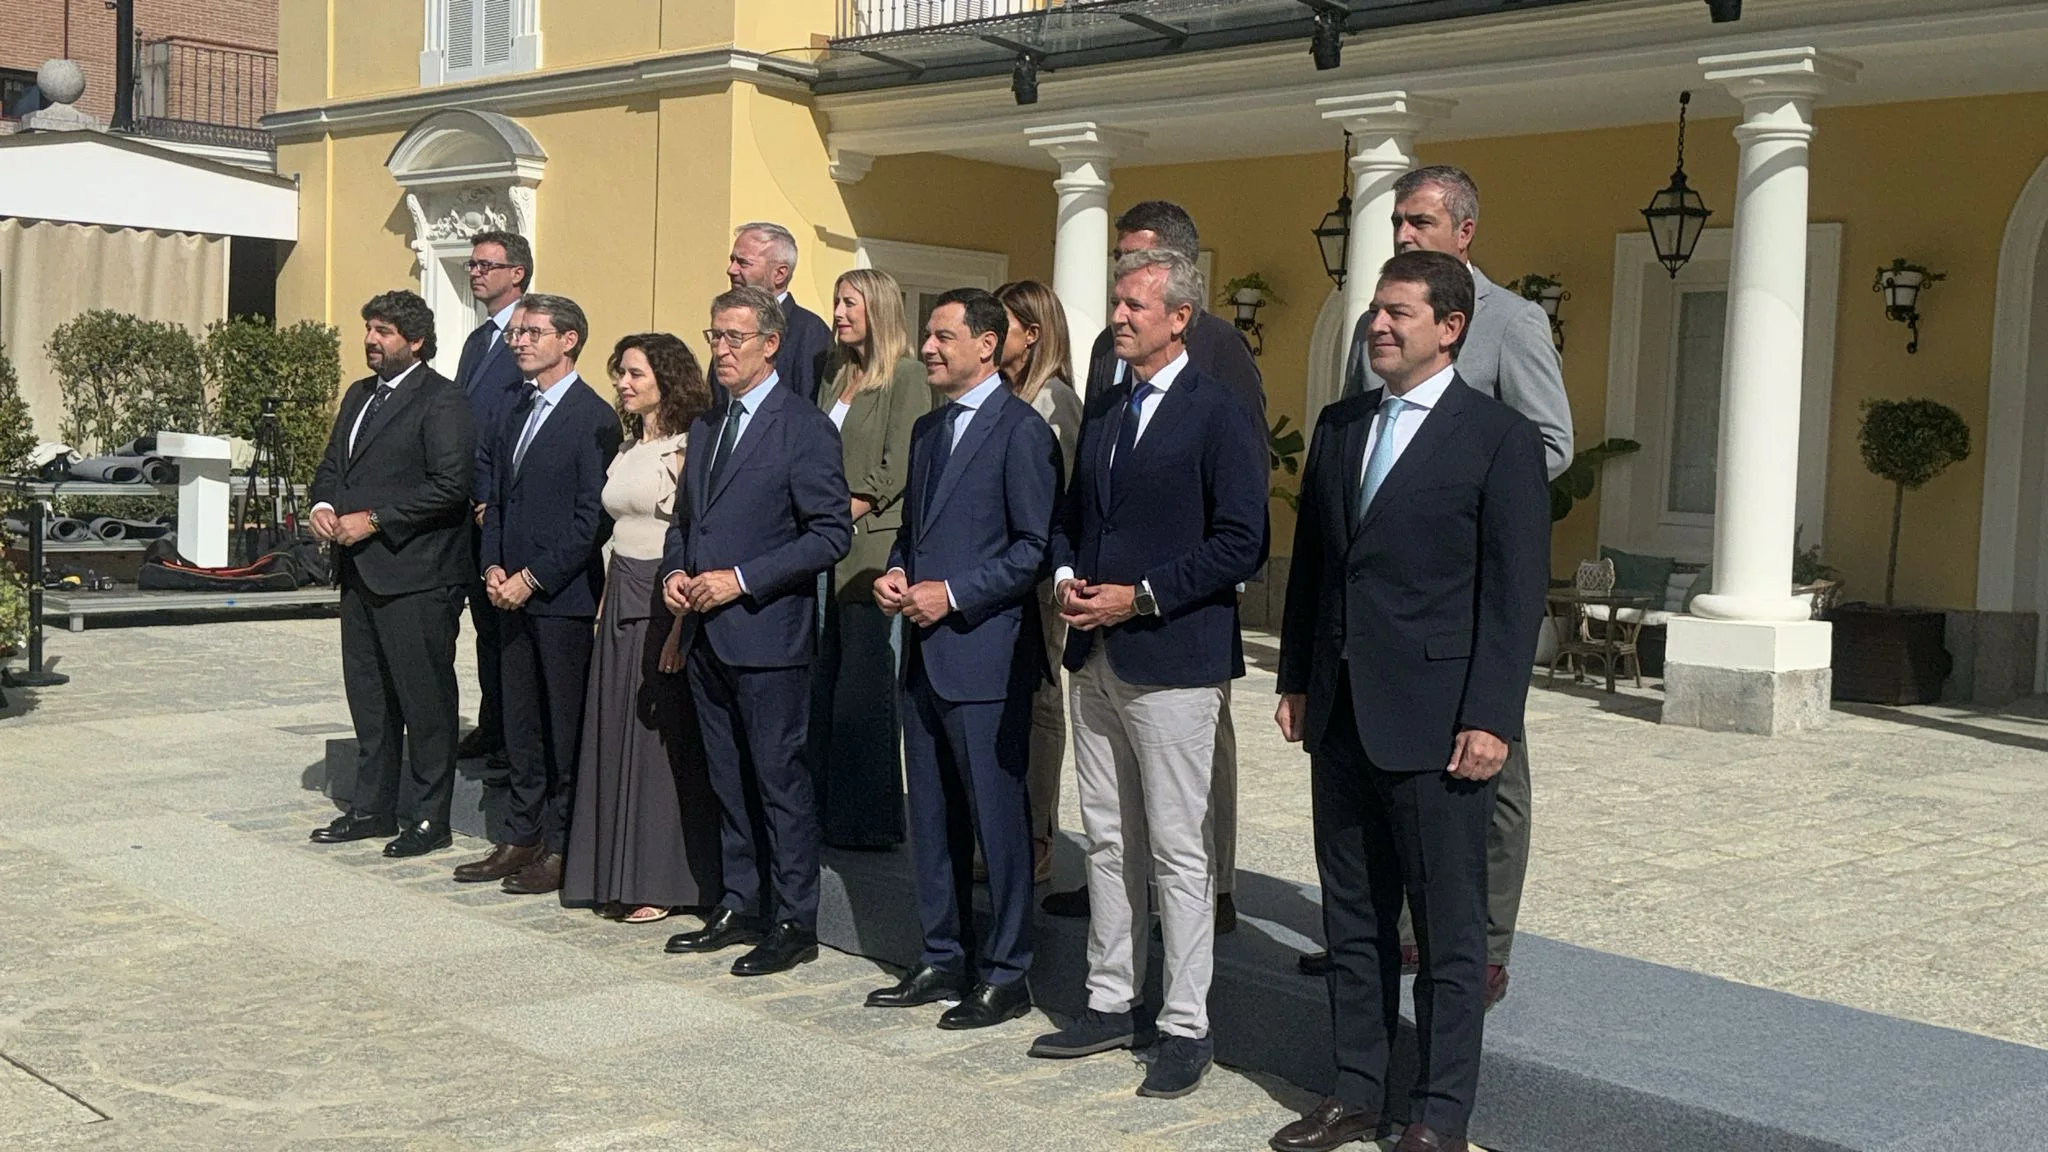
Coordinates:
x,y
202,92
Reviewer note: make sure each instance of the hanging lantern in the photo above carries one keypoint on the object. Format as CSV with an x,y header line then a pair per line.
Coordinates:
x,y
1676,215
1333,235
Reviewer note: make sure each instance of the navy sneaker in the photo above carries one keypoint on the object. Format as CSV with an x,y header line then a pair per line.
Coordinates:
x,y
1091,1032
1178,1064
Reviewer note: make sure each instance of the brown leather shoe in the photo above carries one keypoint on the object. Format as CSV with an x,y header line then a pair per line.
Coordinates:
x,y
543,875
1421,1138
1496,984
1333,1124
504,860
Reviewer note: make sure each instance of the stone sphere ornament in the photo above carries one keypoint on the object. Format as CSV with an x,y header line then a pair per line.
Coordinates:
x,y
61,81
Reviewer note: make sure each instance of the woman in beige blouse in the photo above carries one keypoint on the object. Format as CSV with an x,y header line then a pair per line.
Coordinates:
x,y
874,392
643,835
1035,363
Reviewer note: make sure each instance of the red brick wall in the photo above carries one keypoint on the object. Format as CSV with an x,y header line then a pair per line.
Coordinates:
x,y
35,31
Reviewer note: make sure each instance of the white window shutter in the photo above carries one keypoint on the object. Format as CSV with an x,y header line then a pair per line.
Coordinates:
x,y
496,38
462,35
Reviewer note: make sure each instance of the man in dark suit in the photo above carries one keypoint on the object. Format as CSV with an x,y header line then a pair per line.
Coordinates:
x,y
984,473
1507,354
1421,556
1166,516
764,509
544,526
764,257
400,460
1218,350
500,271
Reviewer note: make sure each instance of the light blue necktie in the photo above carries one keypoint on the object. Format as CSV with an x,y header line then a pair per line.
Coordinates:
x,y
540,407
1381,461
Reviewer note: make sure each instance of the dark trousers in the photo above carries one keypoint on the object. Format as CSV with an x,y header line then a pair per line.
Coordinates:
x,y
754,722
546,667
398,669
966,763
855,764
490,718
1380,835
1507,856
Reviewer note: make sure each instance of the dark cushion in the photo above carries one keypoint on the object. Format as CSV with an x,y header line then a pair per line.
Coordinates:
x,y
1639,575
1705,583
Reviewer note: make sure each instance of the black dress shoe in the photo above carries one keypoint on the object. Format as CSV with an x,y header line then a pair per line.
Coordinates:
x,y
924,985
1332,1125
987,1005
420,839
1226,913
1314,964
724,929
352,826
477,743
787,945
1074,903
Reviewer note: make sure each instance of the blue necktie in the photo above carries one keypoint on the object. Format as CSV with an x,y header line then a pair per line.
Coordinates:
x,y
942,455
1381,461
1127,432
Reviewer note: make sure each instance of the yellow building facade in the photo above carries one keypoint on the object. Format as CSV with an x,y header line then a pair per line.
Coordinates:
x,y
887,134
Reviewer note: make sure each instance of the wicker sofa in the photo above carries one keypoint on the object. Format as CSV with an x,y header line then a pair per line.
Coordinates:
x,y
1682,581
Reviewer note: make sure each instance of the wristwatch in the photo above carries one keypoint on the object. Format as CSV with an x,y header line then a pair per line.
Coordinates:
x,y
1144,602
376,525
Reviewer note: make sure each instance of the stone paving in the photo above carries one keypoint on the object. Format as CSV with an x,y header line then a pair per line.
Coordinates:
x,y
179,969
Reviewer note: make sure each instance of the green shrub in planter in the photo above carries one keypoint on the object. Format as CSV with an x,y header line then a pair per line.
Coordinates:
x,y
123,377
248,361
17,431
1909,442
13,604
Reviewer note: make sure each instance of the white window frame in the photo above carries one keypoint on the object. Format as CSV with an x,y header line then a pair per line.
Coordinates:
x,y
930,268
1632,488
525,49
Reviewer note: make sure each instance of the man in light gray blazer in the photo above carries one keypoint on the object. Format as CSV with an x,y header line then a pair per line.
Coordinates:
x,y
1508,354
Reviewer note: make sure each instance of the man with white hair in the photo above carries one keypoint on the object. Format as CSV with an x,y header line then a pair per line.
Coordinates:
x,y
764,257
1165,516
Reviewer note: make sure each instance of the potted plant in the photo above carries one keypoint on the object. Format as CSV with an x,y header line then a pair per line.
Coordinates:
x,y
1578,479
1883,653
1540,288
1249,291
1283,448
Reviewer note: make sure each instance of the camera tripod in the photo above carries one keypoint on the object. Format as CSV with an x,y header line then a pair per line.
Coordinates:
x,y
273,523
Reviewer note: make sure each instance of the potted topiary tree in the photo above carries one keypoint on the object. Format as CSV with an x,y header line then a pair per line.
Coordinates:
x,y
1883,653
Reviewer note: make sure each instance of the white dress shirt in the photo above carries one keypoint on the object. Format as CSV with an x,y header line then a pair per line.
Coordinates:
x,y
357,427
1421,400
499,320
544,406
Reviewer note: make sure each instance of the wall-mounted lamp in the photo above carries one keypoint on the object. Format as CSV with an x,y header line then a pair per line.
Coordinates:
x,y
1246,295
1024,77
1548,292
1901,284
1327,43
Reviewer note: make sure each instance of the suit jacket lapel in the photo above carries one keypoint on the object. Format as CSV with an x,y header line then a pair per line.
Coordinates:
x,y
697,464
1353,471
751,434
971,440
1437,428
383,416
1166,418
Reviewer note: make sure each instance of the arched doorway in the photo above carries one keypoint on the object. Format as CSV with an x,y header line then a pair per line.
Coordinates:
x,y
2012,550
463,172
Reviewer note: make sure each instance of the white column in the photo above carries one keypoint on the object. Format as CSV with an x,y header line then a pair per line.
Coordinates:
x,y
1383,127
1755,505
1082,240
1749,658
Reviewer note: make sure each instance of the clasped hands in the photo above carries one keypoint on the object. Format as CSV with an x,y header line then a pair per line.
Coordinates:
x,y
1477,755
1090,606
683,592
344,530
924,603
507,592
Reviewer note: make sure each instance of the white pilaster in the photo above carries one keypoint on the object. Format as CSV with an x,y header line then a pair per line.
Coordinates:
x,y
1081,240
1718,677
1383,127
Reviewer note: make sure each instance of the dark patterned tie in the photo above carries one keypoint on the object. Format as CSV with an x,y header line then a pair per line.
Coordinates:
x,y
377,400
727,437
1127,432
943,454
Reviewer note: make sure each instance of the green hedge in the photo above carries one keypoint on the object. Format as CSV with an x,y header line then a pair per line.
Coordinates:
x,y
247,361
123,377
17,432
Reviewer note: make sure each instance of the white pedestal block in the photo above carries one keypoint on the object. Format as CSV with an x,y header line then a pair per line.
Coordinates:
x,y
1760,676
202,495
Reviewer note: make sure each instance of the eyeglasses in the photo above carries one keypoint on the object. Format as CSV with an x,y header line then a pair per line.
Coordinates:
x,y
486,265
715,337
527,333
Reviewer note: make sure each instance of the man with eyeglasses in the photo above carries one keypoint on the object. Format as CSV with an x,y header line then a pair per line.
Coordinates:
x,y
500,269
544,528
763,510
764,256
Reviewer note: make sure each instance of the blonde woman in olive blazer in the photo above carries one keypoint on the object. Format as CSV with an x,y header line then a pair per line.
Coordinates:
x,y
874,393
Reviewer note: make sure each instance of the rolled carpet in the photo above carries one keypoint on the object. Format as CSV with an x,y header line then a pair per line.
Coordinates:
x,y
158,470
130,529
109,469
67,530
108,528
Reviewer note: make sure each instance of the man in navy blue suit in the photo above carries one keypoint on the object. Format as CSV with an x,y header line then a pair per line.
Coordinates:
x,y
1166,516
764,256
544,526
984,474
764,509
500,270
1421,557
